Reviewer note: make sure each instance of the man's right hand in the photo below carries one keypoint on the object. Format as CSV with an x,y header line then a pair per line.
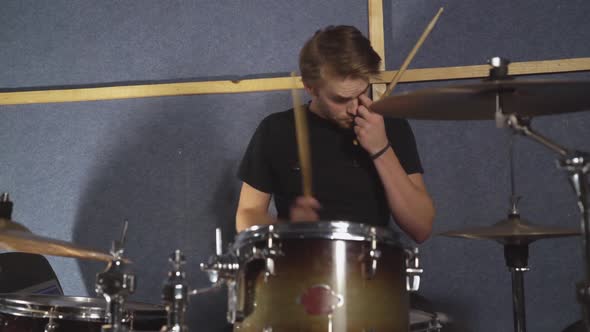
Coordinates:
x,y
305,208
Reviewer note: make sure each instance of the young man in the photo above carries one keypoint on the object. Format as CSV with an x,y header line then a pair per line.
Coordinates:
x,y
365,168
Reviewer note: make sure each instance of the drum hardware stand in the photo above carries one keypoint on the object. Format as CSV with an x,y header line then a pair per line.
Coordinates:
x,y
115,284
516,256
413,270
222,270
577,166
175,295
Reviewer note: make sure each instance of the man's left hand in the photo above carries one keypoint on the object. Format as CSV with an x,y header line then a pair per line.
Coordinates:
x,y
369,127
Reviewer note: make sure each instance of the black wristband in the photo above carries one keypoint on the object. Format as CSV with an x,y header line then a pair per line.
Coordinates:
x,y
380,152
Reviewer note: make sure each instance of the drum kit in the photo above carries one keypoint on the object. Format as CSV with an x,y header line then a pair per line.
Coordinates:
x,y
324,276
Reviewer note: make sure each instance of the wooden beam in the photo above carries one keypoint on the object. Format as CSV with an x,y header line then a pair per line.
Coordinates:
x,y
376,35
275,84
481,71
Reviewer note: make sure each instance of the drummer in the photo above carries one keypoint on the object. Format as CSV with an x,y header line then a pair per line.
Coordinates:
x,y
366,168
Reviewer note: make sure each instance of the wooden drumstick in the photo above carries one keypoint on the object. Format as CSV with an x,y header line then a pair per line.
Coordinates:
x,y
302,140
402,69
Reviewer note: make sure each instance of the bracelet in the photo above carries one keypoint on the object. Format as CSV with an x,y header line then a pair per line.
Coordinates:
x,y
380,152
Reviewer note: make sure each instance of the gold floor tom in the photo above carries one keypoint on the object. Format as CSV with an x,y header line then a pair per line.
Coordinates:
x,y
321,276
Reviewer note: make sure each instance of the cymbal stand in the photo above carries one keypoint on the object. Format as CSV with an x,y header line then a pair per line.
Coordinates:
x,y
577,166
516,256
115,284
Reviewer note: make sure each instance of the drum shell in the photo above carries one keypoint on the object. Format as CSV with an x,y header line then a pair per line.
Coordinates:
x,y
340,270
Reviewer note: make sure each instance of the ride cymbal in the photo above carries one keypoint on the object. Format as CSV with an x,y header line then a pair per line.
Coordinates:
x,y
478,101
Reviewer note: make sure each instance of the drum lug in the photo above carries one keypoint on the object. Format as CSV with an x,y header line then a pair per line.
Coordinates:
x,y
268,253
413,270
271,251
370,265
51,326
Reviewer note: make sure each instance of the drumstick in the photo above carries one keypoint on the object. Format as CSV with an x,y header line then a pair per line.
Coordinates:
x,y
302,140
402,69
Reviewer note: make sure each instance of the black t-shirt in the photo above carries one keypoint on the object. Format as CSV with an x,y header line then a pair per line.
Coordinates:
x,y
344,179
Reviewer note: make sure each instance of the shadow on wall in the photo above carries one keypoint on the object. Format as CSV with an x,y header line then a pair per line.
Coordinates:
x,y
172,176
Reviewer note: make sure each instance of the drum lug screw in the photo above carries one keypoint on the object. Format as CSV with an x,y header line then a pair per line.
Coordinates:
x,y
413,270
374,255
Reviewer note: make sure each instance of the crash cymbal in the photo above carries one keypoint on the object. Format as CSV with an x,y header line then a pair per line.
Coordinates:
x,y
478,101
14,236
513,230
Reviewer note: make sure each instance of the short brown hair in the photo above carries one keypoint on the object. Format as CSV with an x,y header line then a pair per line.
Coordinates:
x,y
338,50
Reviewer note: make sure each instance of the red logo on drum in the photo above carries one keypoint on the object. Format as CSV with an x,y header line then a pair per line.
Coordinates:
x,y
320,300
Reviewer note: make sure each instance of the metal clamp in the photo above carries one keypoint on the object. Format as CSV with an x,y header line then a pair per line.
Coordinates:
x,y
413,270
221,267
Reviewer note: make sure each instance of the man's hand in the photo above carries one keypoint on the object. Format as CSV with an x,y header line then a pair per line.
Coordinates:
x,y
369,127
305,209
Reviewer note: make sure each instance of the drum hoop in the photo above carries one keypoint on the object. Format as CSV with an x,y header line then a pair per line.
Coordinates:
x,y
79,309
330,230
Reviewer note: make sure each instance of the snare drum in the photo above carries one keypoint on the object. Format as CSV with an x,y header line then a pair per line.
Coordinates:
x,y
325,276
33,313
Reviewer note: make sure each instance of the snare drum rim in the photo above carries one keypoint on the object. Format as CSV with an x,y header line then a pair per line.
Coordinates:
x,y
38,306
66,307
330,230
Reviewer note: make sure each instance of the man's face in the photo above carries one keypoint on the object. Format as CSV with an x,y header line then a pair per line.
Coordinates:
x,y
336,99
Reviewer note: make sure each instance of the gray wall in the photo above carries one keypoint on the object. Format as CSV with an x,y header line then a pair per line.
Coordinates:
x,y
76,170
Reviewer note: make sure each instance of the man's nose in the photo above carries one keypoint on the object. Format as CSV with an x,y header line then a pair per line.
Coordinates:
x,y
352,106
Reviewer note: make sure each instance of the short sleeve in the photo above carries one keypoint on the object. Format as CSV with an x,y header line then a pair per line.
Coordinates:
x,y
403,143
255,167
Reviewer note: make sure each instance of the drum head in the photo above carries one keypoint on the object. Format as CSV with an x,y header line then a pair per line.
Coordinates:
x,y
331,230
70,308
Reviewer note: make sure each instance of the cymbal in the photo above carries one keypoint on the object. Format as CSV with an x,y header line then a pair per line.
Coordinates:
x,y
513,230
14,236
478,101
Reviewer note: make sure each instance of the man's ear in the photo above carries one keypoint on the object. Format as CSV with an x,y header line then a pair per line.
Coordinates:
x,y
310,89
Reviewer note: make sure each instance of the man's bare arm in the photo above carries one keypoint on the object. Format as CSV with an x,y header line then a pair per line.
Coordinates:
x,y
252,208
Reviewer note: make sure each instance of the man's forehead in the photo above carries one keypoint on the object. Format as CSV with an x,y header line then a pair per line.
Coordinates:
x,y
346,87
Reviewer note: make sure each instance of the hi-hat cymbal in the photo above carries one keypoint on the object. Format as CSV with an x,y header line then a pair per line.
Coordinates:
x,y
14,236
478,101
513,230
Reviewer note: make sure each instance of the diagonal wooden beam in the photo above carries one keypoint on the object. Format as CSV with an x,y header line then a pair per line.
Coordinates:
x,y
275,84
